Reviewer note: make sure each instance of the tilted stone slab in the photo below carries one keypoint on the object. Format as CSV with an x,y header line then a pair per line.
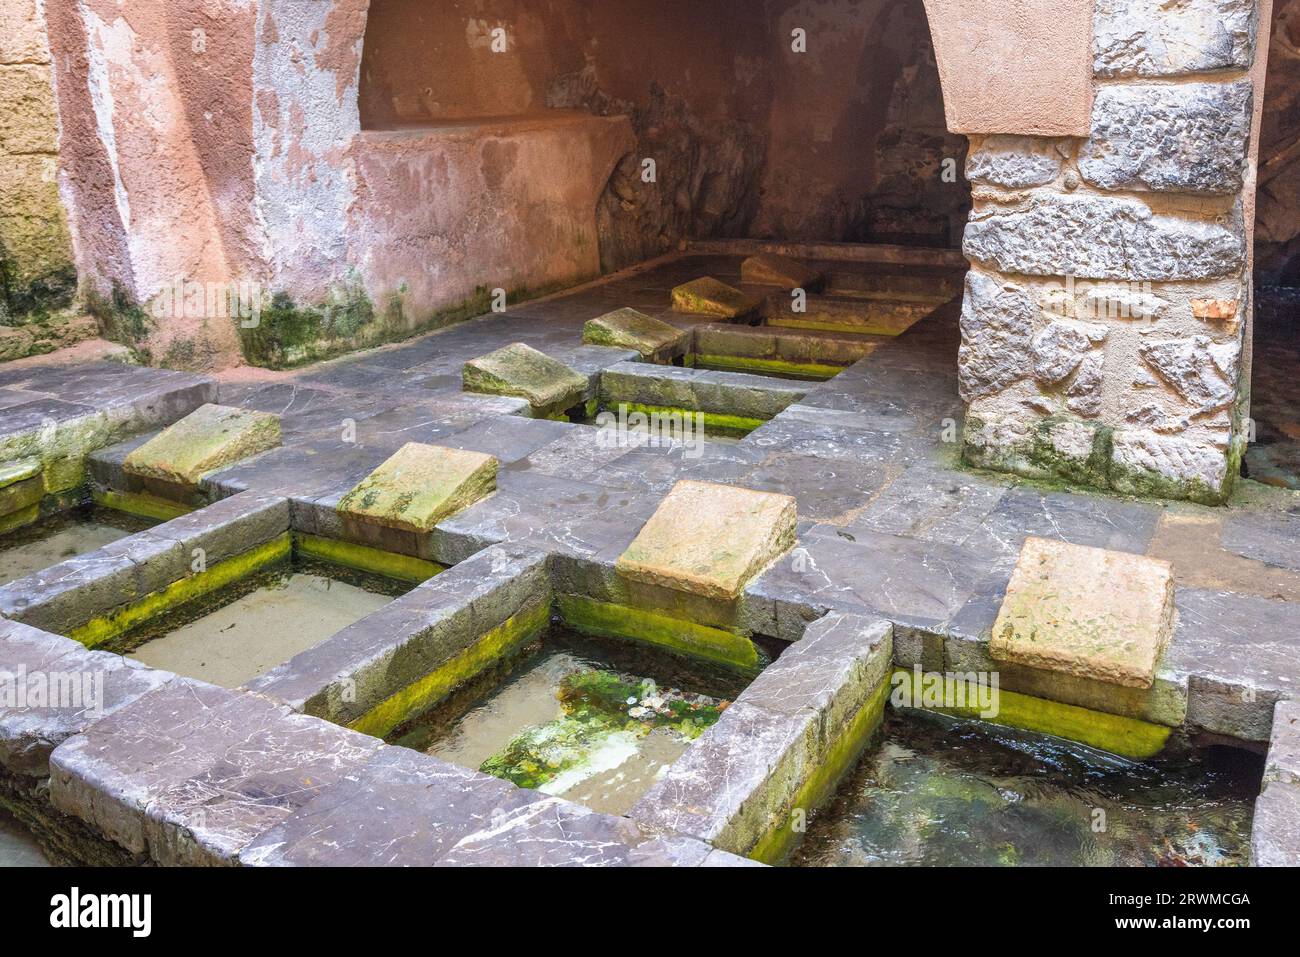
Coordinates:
x,y
876,317
653,338
420,485
710,540
209,438
520,370
769,269
707,296
1086,611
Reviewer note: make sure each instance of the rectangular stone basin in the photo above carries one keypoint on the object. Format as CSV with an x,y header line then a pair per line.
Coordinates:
x,y
593,721
239,632
57,538
940,791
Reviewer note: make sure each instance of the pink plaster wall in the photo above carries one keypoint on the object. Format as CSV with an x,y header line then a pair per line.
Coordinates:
x,y
1015,67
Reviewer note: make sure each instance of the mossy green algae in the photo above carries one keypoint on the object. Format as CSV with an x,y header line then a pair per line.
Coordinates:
x,y
99,630
364,558
494,644
1127,737
727,648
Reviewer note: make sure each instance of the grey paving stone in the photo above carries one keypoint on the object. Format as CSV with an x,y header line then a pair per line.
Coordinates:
x,y
1284,744
1271,537
894,577
401,809
557,833
1275,829
65,596
831,671
1081,519
66,688
1239,653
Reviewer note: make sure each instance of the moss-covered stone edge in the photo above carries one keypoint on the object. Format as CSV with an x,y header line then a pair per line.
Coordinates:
x,y
101,629
1038,459
512,634
1127,737
364,558
607,620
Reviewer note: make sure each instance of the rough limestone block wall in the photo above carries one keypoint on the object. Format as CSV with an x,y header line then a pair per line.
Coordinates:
x,y
36,272
1107,307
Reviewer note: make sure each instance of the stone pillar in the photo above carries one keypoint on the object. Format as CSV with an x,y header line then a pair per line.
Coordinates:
x,y
1107,308
36,272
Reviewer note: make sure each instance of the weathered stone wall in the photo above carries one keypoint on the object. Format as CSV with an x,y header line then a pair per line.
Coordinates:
x,y
1107,310
36,272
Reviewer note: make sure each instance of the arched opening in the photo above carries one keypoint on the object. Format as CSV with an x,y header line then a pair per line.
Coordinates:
x,y
1274,455
784,120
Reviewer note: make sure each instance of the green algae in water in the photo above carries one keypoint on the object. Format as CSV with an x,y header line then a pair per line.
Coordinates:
x,y
576,717
942,792
57,538
242,631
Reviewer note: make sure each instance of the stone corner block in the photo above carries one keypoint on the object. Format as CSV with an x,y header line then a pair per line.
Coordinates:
x,y
549,386
1088,612
631,329
769,269
209,438
707,296
420,485
710,540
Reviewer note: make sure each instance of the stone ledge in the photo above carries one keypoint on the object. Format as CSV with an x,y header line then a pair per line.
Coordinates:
x,y
710,297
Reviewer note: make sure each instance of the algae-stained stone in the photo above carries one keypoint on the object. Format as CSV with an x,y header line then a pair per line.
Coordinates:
x,y
1088,612
420,485
710,540
709,297
630,329
520,370
768,269
209,438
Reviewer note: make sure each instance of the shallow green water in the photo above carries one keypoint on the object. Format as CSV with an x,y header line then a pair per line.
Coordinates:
x,y
574,718
944,792
242,632
60,537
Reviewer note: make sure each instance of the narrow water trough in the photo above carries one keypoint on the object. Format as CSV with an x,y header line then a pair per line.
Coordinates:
x,y
597,722
61,536
939,791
